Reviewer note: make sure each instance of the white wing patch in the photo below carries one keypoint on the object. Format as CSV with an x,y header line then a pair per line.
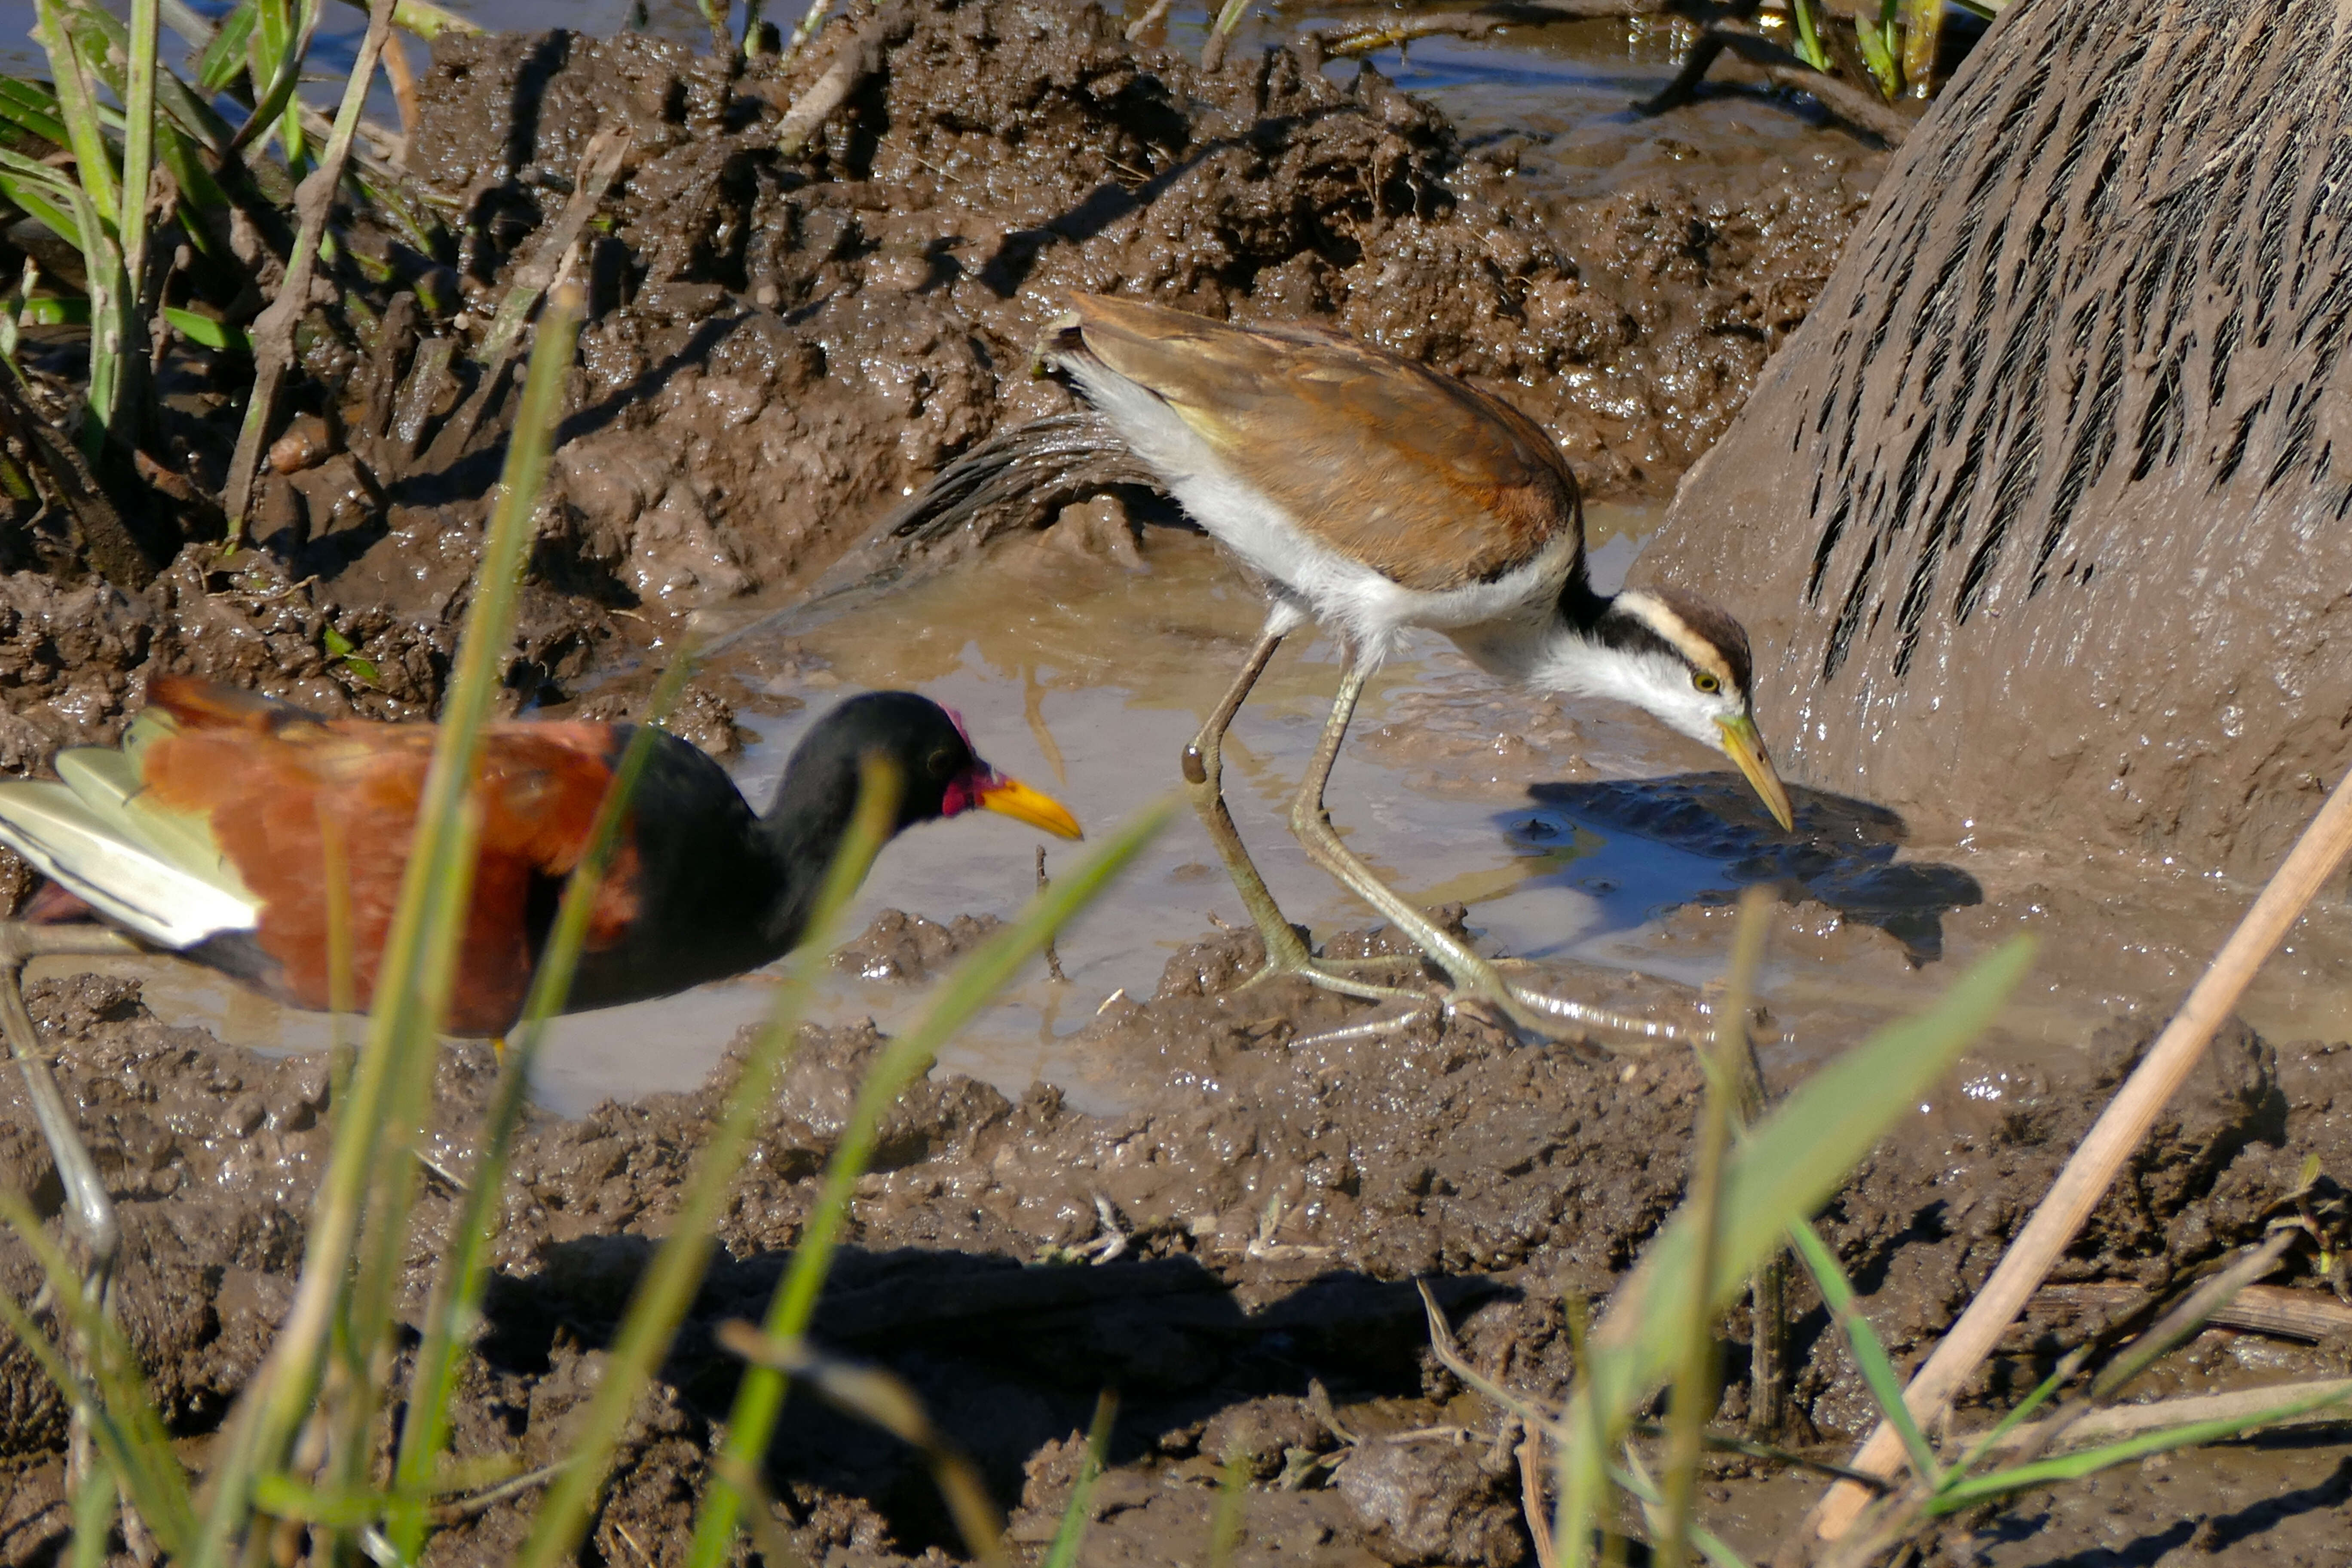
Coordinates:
x,y
161,876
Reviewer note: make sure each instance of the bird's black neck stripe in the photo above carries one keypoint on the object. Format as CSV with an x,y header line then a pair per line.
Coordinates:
x,y
1601,620
1580,607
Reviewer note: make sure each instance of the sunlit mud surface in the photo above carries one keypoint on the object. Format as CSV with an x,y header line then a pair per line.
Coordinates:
x,y
1260,1182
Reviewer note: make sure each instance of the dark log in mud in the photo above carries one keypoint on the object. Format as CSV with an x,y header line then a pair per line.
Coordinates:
x,y
2039,520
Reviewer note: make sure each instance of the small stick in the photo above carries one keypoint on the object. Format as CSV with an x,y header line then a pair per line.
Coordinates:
x,y
1153,17
1052,959
402,75
1532,1501
273,330
2102,1153
2129,1420
855,60
1346,42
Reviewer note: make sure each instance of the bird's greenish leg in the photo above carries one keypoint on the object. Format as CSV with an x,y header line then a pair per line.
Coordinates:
x,y
90,1212
1286,951
1471,976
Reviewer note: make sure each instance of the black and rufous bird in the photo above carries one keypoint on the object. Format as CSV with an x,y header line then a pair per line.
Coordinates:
x,y
1370,494
201,834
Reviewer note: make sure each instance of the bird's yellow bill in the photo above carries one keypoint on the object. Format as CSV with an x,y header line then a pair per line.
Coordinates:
x,y
1744,746
1011,797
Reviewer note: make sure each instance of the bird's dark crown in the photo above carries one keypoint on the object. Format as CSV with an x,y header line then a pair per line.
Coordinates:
x,y
924,742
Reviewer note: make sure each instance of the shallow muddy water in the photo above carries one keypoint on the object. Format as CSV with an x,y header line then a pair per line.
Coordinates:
x,y
1576,834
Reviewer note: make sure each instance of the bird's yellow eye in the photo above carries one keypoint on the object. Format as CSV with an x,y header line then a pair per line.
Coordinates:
x,y
1707,682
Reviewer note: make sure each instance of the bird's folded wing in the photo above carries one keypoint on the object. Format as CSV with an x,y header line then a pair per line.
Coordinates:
x,y
89,850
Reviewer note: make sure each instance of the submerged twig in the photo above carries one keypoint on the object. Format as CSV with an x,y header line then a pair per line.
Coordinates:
x,y
1348,43
1052,956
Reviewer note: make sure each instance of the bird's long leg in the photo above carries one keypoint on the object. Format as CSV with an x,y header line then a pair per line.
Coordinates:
x,y
90,1212
1286,951
1474,977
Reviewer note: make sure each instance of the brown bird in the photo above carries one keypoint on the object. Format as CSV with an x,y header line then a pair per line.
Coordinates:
x,y
1370,494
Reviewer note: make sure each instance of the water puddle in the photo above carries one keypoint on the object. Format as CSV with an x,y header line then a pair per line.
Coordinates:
x,y
1087,678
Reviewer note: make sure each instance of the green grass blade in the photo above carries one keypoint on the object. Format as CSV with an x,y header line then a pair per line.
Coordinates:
x,y
1697,1378
1633,1480
2068,1365
1786,1168
78,107
456,1299
2191,1315
32,109
1232,1504
207,334
1809,34
1795,1159
122,1419
425,19
224,57
762,1395
138,139
1869,1353
279,1397
1878,54
670,1282
2075,1467
44,198
1072,1532
93,1515
113,362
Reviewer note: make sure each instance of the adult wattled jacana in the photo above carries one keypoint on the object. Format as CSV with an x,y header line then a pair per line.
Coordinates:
x,y
204,834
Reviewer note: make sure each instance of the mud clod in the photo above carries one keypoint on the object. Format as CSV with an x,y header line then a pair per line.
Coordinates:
x,y
1432,1502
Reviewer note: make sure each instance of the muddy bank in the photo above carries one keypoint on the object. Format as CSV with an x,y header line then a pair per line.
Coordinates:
x,y
1234,1254
783,340
2038,520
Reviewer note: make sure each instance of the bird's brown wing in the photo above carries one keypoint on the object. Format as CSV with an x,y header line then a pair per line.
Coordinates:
x,y
273,781
1417,475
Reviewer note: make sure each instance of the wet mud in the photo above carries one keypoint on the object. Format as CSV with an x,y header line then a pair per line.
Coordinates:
x,y
1235,1254
780,346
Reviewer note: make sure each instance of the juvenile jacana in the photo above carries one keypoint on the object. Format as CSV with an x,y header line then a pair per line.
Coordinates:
x,y
202,836
1370,494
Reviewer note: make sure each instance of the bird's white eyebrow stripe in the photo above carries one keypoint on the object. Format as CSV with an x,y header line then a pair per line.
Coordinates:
x,y
1660,618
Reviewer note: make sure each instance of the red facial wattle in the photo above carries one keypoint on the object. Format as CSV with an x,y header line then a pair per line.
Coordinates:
x,y
968,790
981,787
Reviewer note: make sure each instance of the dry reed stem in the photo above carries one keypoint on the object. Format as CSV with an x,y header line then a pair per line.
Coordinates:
x,y
2131,1420
2093,1166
